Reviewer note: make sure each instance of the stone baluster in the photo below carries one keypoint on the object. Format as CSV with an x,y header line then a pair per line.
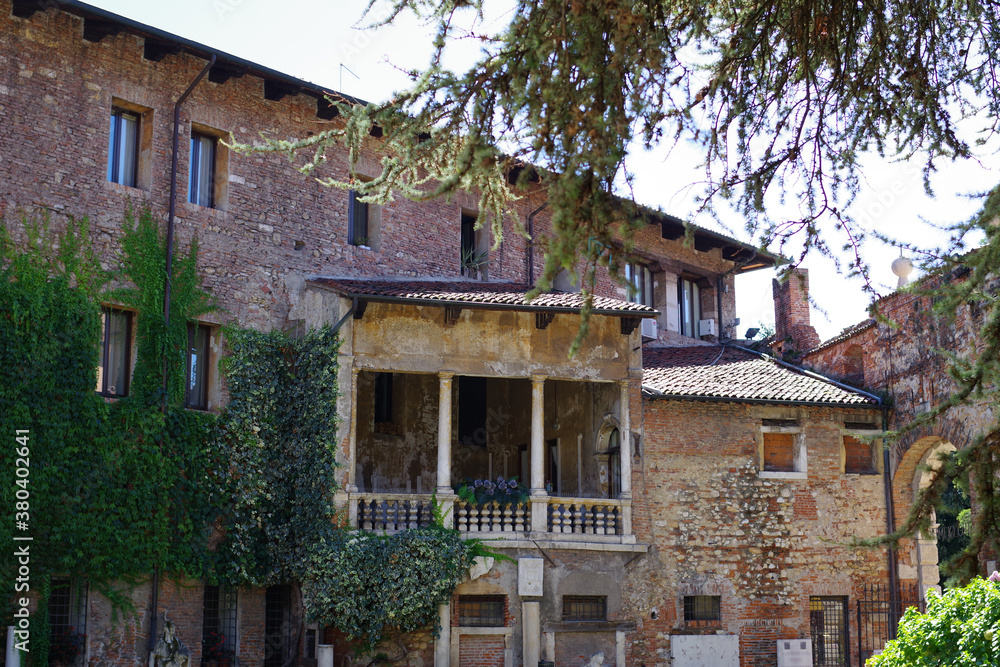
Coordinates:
x,y
598,519
497,521
463,517
578,511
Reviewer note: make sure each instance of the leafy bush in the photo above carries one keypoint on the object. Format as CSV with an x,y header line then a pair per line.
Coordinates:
x,y
960,628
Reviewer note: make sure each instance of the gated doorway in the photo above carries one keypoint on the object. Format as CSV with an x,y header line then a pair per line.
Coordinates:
x,y
879,614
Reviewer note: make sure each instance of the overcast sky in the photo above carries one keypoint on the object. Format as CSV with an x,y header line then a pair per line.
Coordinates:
x,y
324,42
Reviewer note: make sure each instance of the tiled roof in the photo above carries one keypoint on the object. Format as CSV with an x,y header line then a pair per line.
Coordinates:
x,y
474,293
738,375
845,334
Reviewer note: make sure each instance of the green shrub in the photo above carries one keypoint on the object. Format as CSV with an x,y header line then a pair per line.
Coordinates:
x,y
961,627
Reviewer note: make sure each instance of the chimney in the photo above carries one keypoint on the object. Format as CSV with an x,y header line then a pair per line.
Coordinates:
x,y
792,332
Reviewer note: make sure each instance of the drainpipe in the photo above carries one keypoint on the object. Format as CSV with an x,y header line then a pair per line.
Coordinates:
x,y
890,526
531,242
151,644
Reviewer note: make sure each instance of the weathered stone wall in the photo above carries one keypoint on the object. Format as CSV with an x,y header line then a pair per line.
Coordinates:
x,y
764,545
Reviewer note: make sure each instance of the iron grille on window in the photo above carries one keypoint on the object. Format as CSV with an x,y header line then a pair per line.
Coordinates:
x,y
219,621
585,608
702,610
67,621
481,611
828,626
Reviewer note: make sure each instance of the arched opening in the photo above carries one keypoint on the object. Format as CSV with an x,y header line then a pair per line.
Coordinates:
x,y
609,458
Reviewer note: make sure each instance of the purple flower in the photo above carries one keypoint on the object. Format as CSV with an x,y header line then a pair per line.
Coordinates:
x,y
995,576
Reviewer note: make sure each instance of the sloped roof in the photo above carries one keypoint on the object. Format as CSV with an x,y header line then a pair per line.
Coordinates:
x,y
844,335
713,372
507,296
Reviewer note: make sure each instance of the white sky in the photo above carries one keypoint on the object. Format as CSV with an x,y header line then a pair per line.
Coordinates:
x,y
311,39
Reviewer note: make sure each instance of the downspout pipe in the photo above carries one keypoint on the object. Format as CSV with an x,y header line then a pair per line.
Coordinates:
x,y
890,527
151,643
531,242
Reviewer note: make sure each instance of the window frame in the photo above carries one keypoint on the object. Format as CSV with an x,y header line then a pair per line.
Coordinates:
x,y
689,304
799,454
115,147
692,611
476,242
195,175
76,611
103,374
358,211
226,600
202,402
842,632
477,603
639,288
574,608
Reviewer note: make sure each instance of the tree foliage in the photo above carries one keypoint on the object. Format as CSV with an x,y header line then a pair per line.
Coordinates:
x,y
960,628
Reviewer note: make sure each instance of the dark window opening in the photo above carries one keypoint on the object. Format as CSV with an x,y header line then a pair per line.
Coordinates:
x,y
123,148
201,175
219,623
481,611
703,610
472,410
199,337
67,622
640,284
689,302
278,625
116,352
828,627
552,466
357,221
585,607
474,257
614,464
383,398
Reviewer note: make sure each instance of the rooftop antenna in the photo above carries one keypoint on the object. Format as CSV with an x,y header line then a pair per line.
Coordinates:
x,y
342,68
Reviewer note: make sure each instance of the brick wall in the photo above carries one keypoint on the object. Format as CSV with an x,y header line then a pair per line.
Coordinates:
x,y
481,651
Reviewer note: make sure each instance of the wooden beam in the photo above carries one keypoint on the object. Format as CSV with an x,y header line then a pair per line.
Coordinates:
x,y
629,324
543,319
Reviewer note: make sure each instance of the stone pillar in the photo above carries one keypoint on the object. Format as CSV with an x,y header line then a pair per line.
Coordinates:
x,y
352,447
444,433
530,639
625,425
442,645
538,435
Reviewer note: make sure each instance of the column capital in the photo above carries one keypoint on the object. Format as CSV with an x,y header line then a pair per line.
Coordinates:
x,y
446,375
354,371
536,378
623,383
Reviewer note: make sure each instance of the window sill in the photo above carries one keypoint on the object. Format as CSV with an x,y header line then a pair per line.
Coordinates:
x,y
214,211
131,190
771,474
481,630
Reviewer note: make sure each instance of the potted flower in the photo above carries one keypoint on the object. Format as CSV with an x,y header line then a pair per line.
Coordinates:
x,y
481,492
215,651
65,646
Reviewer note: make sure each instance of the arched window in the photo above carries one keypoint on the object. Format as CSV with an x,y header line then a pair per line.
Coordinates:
x,y
614,464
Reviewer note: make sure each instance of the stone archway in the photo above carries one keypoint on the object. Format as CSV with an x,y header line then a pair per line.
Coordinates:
x,y
918,557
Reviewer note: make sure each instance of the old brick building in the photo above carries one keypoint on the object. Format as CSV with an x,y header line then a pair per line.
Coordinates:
x,y
690,499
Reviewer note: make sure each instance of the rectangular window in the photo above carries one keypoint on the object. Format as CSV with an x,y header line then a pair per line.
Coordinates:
x,y
475,254
481,611
199,339
828,627
689,302
383,398
703,610
123,148
779,452
67,621
116,352
219,623
859,456
357,220
640,284
278,625
585,607
201,172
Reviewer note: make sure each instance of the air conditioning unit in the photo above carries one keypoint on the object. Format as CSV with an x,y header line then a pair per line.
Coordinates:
x,y
795,653
707,328
649,328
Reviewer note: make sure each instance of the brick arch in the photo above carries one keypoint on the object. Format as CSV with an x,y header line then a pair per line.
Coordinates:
x,y
918,557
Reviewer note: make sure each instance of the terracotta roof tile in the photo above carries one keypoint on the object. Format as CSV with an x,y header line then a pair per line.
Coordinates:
x,y
496,295
734,374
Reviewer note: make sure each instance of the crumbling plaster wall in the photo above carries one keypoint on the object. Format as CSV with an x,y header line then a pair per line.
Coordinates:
x,y
763,545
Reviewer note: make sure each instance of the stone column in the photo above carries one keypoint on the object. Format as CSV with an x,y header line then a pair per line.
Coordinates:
x,y
444,433
538,435
442,645
625,425
530,639
352,447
